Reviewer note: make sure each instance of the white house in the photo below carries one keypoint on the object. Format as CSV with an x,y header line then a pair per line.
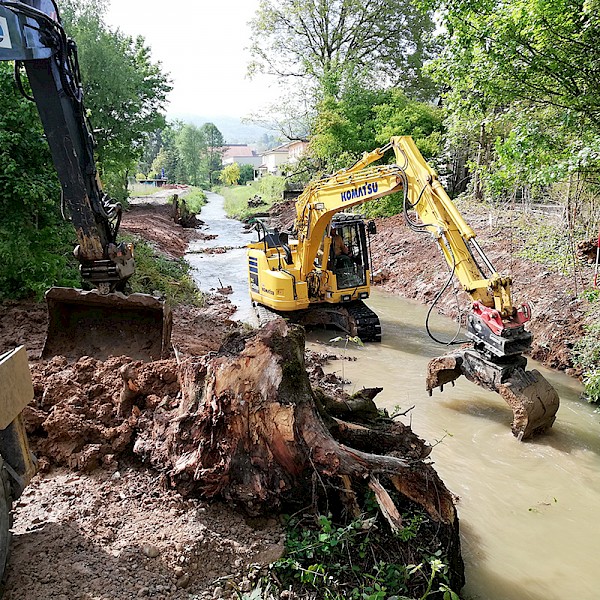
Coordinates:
x,y
288,153
241,154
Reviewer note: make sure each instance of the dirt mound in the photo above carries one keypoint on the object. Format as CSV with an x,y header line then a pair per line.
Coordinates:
x,y
23,323
412,266
154,223
82,415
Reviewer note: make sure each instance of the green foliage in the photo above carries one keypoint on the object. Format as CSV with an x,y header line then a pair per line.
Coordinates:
x,y
212,156
351,561
271,188
398,115
363,119
541,53
170,278
521,102
587,356
125,91
246,174
35,245
547,245
336,43
191,144
195,199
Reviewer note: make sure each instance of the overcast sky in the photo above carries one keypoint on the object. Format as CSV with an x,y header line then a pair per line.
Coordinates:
x,y
201,43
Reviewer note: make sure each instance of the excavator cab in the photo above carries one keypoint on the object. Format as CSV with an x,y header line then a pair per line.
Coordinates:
x,y
349,251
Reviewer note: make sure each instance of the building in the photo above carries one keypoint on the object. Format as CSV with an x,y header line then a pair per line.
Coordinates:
x,y
288,153
241,154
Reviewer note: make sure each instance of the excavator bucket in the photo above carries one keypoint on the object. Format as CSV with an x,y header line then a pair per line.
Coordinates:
x,y
533,400
102,325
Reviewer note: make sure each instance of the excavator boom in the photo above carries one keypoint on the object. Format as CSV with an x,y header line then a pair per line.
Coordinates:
x,y
31,34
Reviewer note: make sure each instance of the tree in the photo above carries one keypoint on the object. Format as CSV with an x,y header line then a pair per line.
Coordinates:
x,y
230,175
34,242
334,42
124,90
246,174
543,53
191,143
522,83
363,119
214,150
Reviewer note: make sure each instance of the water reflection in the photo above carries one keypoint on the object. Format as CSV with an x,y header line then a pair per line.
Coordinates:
x,y
528,510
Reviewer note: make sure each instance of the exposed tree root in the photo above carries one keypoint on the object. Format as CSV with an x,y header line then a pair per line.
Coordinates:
x,y
249,429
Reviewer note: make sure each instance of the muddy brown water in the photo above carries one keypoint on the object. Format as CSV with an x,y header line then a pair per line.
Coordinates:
x,y
528,511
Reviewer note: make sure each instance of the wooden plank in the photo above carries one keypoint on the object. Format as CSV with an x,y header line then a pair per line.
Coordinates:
x,y
16,389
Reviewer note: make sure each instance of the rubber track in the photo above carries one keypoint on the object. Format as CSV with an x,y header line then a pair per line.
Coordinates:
x,y
368,327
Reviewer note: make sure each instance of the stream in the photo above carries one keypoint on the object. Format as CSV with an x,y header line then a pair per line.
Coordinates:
x,y
528,510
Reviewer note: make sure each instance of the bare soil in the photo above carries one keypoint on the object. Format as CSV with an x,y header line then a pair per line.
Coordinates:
x,y
96,523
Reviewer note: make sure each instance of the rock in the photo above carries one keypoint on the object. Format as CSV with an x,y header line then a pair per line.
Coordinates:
x,y
183,582
150,550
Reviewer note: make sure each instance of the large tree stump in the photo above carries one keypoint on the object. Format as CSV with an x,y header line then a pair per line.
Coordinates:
x,y
250,429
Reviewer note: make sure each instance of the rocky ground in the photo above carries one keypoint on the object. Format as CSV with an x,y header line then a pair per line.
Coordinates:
x,y
96,523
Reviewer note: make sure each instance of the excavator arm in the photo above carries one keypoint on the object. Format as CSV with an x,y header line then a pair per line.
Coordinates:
x,y
99,322
494,325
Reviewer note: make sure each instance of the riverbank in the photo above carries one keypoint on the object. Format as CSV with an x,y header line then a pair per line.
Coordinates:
x,y
96,522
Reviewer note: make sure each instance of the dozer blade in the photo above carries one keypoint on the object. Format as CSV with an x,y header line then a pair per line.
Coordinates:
x,y
92,324
533,400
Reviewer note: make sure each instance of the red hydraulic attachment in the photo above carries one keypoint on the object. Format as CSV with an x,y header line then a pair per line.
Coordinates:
x,y
493,319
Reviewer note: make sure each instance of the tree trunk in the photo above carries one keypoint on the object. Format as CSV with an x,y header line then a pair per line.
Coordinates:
x,y
249,429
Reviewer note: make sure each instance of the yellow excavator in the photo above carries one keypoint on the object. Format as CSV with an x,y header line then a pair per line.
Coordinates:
x,y
323,276
101,321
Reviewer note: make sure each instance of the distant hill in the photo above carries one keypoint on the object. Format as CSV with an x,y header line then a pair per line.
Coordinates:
x,y
232,128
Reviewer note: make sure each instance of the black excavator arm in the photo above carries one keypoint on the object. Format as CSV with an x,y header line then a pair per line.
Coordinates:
x,y
34,38
99,322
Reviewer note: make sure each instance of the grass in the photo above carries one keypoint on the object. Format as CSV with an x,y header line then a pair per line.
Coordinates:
x,y
157,275
195,199
141,189
269,188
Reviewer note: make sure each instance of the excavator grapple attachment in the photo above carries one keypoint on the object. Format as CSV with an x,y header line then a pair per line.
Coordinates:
x,y
533,400
101,325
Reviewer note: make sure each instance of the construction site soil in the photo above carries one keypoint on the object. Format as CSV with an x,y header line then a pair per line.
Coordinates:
x,y
96,523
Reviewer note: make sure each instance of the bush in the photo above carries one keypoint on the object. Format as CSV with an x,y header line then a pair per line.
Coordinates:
x,y
271,188
246,174
587,356
195,199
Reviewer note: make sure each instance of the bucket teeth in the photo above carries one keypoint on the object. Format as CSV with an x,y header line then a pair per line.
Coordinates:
x,y
533,400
